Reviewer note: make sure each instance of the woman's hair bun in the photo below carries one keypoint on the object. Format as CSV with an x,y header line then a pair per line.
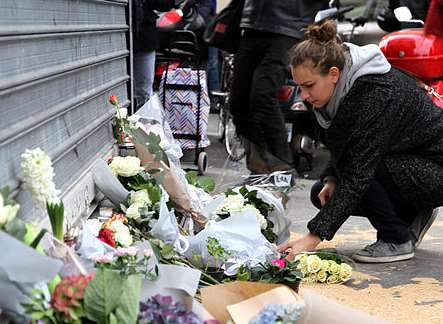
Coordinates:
x,y
323,32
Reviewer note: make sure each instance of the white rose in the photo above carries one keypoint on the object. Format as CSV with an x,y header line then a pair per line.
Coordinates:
x,y
260,218
125,166
121,233
140,197
334,268
345,271
314,263
322,276
324,265
332,279
133,210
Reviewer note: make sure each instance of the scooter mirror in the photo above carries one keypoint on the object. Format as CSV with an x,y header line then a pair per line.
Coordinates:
x,y
403,14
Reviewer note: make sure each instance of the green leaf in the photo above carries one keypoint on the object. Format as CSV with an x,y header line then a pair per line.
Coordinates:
x,y
192,177
127,311
102,295
206,183
112,319
16,228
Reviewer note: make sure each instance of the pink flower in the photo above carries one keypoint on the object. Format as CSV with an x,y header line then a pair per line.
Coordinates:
x,y
281,263
102,258
131,251
148,253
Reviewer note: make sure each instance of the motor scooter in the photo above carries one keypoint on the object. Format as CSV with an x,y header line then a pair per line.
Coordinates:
x,y
417,54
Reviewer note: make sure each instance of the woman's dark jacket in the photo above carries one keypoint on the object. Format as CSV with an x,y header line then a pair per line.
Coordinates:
x,y
284,17
384,118
145,38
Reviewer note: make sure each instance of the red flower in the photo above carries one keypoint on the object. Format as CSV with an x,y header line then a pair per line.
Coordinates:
x,y
68,295
107,235
113,100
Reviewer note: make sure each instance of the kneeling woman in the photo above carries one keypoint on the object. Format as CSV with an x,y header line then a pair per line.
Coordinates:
x,y
385,136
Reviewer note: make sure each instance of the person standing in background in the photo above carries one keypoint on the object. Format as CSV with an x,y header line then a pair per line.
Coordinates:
x,y
269,30
145,42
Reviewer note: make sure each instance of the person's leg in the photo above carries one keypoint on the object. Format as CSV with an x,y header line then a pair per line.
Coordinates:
x,y
213,70
247,58
268,79
144,69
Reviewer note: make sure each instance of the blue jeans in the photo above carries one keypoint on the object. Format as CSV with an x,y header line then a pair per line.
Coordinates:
x,y
144,69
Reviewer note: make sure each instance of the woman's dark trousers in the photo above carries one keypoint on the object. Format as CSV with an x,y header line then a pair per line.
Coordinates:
x,y
385,209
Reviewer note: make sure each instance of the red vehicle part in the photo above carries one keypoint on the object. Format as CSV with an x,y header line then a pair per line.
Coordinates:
x,y
412,51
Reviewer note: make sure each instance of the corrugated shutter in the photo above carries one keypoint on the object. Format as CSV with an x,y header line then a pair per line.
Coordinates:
x,y
59,62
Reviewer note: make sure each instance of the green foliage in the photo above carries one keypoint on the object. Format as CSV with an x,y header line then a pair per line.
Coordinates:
x,y
110,297
38,308
272,273
217,252
205,183
16,228
56,216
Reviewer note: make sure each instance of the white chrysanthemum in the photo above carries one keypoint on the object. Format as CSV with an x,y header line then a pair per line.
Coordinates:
x,y
345,271
121,233
140,197
231,204
125,166
314,263
260,218
334,268
37,175
133,210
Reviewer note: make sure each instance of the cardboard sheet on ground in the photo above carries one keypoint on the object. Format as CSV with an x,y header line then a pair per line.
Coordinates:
x,y
245,311
318,309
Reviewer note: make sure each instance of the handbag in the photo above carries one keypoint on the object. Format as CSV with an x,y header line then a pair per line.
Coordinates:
x,y
224,31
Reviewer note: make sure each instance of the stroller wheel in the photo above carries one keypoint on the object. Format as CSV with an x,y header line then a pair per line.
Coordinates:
x,y
202,163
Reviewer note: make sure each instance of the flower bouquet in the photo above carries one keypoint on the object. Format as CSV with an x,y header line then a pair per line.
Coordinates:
x,y
115,233
127,262
150,149
323,267
237,202
275,271
162,309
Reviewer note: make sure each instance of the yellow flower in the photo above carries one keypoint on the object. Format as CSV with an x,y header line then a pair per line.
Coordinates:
x,y
314,263
324,265
345,271
322,276
334,268
332,279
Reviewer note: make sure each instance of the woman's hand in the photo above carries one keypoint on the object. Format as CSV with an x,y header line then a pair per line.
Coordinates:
x,y
306,243
327,191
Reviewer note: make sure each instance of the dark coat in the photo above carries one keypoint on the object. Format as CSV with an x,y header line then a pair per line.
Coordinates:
x,y
384,118
145,38
284,17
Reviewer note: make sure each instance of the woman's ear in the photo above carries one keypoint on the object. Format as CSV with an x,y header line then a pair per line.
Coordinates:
x,y
334,74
